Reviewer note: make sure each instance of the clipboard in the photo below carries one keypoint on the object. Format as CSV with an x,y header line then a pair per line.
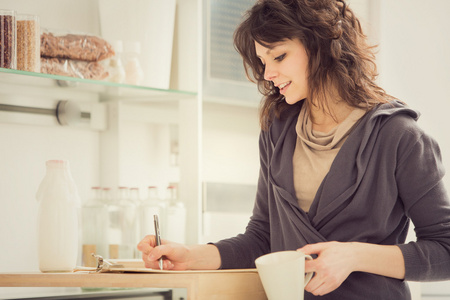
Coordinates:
x,y
118,266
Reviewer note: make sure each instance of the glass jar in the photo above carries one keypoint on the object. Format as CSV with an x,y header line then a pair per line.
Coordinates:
x,y
115,68
28,43
176,217
147,209
7,39
128,224
94,224
134,74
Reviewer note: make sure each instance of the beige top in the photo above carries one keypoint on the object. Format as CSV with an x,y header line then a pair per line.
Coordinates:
x,y
314,153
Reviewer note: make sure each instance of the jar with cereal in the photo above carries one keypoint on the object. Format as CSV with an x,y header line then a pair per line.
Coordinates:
x,y
7,39
28,43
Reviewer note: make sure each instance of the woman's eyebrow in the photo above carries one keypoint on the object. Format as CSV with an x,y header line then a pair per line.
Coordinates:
x,y
271,48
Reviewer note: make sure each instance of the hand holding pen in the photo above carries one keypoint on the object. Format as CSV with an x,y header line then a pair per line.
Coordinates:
x,y
177,256
158,238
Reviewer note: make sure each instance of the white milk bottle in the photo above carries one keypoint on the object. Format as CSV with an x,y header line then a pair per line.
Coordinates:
x,y
57,219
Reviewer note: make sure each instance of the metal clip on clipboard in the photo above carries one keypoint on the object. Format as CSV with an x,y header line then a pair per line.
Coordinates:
x,y
104,265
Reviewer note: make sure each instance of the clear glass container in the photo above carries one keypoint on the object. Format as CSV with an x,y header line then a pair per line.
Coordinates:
x,y
133,69
28,43
122,225
94,225
147,209
128,224
115,68
8,39
135,195
113,233
176,217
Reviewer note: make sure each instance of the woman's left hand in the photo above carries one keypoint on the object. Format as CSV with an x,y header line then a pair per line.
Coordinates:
x,y
334,263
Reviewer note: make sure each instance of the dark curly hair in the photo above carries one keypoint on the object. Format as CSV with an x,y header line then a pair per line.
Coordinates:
x,y
339,56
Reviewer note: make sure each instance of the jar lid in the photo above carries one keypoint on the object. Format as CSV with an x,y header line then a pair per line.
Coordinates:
x,y
27,17
8,12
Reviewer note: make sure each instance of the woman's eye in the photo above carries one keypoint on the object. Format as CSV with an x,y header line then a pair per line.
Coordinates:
x,y
281,57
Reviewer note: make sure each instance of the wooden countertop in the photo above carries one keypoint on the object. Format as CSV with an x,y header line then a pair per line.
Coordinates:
x,y
199,285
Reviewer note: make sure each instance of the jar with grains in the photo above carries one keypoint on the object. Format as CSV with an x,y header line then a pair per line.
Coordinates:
x,y
7,39
28,43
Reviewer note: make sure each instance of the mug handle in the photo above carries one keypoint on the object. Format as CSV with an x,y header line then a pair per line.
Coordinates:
x,y
309,275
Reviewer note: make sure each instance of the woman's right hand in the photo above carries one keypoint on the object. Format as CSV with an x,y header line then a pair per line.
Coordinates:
x,y
175,256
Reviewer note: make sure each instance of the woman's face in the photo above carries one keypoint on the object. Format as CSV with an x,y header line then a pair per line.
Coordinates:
x,y
286,65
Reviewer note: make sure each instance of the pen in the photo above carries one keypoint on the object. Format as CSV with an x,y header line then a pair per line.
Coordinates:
x,y
158,238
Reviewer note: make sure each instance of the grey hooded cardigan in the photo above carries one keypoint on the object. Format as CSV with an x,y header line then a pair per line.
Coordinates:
x,y
387,173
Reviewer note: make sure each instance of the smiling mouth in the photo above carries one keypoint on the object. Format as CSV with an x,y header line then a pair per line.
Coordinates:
x,y
284,86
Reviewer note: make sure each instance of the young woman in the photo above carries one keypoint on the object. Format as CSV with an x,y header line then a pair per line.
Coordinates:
x,y
344,166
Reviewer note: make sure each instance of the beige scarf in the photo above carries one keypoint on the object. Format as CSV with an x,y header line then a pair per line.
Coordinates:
x,y
314,153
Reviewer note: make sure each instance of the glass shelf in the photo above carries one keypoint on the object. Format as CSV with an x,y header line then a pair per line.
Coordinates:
x,y
106,89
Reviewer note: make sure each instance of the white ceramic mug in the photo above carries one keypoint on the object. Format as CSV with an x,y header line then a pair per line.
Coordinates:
x,y
283,274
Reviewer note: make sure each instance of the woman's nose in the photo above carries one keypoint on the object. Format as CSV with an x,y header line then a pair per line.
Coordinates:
x,y
269,72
